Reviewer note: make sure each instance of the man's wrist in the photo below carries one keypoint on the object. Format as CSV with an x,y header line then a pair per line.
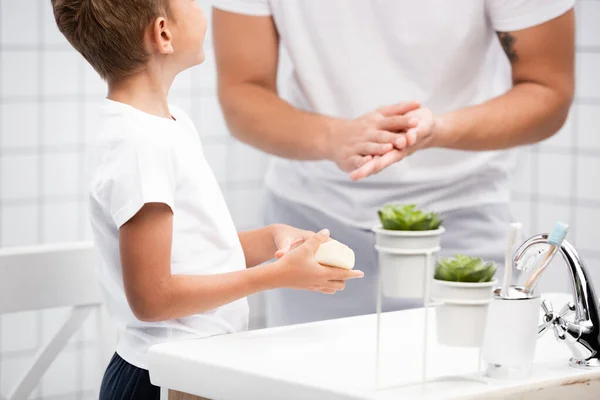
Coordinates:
x,y
327,145
442,132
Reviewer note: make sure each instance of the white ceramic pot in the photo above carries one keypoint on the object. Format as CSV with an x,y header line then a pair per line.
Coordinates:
x,y
402,274
461,318
403,260
408,240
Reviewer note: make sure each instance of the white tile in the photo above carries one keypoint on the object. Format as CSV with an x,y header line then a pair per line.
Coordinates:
x,y
246,163
216,155
592,260
564,137
522,176
182,83
94,85
587,177
52,36
91,374
588,127
555,279
555,174
182,102
18,125
61,222
588,79
18,23
61,124
204,76
91,111
549,214
61,377
210,118
588,15
586,228
521,212
12,370
19,73
61,174
52,320
84,219
18,225
18,176
62,73
19,332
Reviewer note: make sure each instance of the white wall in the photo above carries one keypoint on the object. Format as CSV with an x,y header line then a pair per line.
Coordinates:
x,y
42,191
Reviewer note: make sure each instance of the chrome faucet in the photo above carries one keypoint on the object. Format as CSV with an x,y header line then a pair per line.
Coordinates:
x,y
582,335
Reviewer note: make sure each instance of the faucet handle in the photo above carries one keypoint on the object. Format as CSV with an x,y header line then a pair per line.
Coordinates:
x,y
548,318
556,321
567,309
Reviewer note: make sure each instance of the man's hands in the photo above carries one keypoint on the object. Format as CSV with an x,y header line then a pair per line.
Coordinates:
x,y
353,143
420,135
298,269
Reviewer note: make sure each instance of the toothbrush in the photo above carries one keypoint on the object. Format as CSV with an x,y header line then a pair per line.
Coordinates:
x,y
555,240
514,235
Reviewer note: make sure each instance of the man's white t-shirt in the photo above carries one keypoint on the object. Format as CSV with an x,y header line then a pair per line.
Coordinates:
x,y
350,57
138,158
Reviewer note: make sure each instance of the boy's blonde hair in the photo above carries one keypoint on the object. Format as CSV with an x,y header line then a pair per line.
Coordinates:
x,y
109,33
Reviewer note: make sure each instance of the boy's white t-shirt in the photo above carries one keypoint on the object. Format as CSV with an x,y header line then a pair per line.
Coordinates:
x,y
349,57
138,158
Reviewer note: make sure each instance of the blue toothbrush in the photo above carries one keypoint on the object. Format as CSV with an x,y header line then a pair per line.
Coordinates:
x,y
555,240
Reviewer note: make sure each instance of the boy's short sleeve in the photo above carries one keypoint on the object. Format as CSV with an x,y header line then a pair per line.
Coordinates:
x,y
514,15
258,8
142,171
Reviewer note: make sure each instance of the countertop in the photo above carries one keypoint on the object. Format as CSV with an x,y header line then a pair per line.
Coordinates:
x,y
336,360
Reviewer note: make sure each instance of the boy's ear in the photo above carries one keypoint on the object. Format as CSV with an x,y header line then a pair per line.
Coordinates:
x,y
162,37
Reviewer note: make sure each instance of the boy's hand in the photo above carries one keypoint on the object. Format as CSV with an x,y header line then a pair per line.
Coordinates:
x,y
300,270
287,238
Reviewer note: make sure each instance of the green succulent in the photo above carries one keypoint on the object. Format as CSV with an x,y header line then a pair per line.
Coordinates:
x,y
463,268
408,218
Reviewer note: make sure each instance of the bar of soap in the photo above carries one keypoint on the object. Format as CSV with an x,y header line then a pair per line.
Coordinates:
x,y
335,254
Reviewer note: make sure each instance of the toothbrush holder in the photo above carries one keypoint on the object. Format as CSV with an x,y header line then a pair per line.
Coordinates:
x,y
511,334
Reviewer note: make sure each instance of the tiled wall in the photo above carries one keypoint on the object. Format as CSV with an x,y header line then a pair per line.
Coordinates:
x,y
42,192
48,102
559,178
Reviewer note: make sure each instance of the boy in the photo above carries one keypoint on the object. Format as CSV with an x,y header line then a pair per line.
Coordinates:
x,y
173,265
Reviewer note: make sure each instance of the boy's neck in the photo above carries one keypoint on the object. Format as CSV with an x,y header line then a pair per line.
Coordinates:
x,y
146,91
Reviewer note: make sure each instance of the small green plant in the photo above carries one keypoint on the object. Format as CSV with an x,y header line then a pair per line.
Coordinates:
x,y
408,218
463,268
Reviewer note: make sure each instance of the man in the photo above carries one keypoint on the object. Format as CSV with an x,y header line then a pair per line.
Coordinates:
x,y
490,75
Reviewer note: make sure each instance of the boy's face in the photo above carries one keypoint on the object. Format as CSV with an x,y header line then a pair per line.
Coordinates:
x,y
188,26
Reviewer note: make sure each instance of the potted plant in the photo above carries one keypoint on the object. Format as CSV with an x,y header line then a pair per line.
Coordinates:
x,y
464,286
405,238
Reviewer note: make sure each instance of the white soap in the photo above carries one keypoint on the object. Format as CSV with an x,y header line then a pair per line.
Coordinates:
x,y
335,254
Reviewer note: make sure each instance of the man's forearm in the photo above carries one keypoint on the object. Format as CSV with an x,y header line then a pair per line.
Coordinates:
x,y
260,118
526,114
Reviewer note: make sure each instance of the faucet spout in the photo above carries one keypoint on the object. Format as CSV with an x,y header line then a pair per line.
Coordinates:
x,y
582,335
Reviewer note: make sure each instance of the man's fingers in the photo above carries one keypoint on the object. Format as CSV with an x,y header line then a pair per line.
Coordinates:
x,y
375,149
396,123
377,164
398,109
411,136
